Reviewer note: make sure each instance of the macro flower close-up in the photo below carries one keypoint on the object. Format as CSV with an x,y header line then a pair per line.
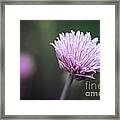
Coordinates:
x,y
78,54
60,59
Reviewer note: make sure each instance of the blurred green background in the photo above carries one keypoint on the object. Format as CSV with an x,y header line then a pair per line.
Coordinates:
x,y
47,80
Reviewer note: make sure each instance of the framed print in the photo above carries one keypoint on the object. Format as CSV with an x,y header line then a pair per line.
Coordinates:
x,y
60,60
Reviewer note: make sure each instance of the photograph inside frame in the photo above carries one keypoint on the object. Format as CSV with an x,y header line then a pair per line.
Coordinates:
x,y
59,59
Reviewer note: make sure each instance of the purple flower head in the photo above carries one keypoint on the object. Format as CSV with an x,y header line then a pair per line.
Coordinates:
x,y
78,54
26,65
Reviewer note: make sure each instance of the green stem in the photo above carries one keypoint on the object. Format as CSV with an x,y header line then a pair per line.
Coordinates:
x,y
67,87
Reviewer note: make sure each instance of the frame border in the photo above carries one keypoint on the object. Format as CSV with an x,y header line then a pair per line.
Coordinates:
x,y
55,2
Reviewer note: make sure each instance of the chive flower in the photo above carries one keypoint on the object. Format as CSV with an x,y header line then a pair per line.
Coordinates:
x,y
78,54
27,65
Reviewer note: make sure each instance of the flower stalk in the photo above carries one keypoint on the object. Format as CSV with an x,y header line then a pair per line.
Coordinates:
x,y
67,86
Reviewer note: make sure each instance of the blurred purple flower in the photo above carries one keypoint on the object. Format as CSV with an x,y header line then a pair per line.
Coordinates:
x,y
78,54
26,65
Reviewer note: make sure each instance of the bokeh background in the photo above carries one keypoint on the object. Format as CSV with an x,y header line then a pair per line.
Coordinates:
x,y
40,75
